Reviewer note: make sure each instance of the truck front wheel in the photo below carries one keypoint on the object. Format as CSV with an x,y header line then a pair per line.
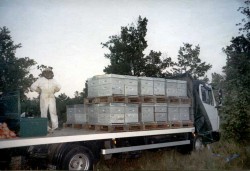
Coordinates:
x,y
78,158
198,144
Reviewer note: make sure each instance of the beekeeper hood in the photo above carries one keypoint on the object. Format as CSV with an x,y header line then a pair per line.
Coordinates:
x,y
48,73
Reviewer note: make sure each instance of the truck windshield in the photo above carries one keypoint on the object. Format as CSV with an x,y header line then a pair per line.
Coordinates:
x,y
207,96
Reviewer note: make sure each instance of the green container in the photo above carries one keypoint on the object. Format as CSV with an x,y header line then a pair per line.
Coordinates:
x,y
32,127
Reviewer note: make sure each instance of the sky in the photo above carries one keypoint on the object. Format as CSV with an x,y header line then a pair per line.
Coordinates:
x,y
67,34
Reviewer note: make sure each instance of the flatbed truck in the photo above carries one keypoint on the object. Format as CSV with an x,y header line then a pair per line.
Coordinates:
x,y
80,149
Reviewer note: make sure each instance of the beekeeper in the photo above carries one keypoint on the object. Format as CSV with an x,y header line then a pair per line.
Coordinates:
x,y
46,86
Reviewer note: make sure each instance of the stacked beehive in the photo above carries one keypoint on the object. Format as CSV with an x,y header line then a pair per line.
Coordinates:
x,y
76,114
179,104
107,111
147,109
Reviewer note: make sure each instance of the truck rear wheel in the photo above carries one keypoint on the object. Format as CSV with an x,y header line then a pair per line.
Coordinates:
x,y
78,158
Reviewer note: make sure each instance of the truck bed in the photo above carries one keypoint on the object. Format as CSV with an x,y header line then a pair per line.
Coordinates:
x,y
74,135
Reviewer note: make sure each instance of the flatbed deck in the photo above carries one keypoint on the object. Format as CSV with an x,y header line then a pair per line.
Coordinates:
x,y
73,135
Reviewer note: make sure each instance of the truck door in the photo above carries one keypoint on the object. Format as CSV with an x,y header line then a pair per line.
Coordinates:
x,y
207,97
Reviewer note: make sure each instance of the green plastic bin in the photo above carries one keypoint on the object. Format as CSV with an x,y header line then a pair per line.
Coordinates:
x,y
33,127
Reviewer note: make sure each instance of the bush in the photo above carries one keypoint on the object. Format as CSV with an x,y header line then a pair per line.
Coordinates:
x,y
216,157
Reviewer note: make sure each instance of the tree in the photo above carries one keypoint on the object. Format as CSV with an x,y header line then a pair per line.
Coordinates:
x,y
127,57
237,80
43,67
31,107
155,66
61,102
79,97
237,97
218,83
189,61
245,25
126,50
14,72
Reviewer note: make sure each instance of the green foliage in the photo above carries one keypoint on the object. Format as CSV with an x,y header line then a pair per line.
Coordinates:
x,y
126,50
213,158
14,72
189,61
127,57
31,107
235,84
42,67
155,66
61,104
245,25
237,97
218,83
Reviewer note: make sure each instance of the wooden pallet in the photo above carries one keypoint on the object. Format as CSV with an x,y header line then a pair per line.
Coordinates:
x,y
112,99
173,100
134,127
104,99
71,125
187,124
108,128
163,125
119,99
89,100
136,99
131,126
185,100
155,125
161,99
147,99
132,99
175,124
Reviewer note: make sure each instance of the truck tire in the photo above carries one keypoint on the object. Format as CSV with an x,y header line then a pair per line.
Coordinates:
x,y
78,158
185,149
198,144
5,159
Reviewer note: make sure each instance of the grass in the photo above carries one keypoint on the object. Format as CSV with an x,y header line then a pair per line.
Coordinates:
x,y
213,158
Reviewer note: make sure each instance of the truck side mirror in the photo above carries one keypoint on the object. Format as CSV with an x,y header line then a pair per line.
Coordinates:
x,y
219,98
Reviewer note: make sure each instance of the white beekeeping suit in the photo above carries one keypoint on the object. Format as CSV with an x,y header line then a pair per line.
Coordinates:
x,y
46,86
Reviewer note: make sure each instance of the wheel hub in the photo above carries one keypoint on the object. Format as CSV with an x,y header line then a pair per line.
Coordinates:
x,y
199,145
79,162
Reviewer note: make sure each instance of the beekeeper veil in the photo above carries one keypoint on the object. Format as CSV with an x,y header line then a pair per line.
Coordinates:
x,y
48,73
